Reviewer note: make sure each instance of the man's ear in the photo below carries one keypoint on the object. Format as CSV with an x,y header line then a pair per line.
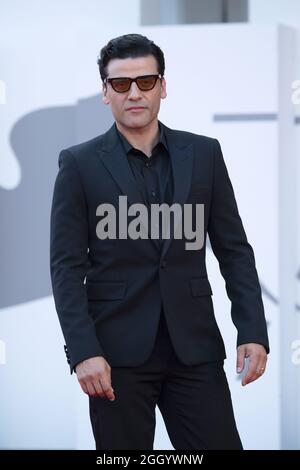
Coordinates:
x,y
105,98
163,91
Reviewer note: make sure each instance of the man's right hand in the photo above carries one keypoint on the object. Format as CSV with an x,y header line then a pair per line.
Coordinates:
x,y
94,376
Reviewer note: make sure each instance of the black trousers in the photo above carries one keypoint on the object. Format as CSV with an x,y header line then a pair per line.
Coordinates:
x,y
194,401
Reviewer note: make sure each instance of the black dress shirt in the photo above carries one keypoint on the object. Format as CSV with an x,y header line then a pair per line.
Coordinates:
x,y
152,174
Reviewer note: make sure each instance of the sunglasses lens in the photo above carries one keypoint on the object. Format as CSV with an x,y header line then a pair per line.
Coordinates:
x,y
120,84
147,83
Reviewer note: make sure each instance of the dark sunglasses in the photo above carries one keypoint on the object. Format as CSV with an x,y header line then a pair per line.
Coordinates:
x,y
123,84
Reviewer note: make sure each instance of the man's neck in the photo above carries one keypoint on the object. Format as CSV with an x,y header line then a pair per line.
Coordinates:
x,y
144,138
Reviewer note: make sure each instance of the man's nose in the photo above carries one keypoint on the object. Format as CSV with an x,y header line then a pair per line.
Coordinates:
x,y
134,91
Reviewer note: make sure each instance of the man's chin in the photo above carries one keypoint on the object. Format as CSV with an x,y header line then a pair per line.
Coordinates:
x,y
136,123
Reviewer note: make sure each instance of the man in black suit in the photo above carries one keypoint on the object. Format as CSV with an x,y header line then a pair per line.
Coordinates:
x,y
136,308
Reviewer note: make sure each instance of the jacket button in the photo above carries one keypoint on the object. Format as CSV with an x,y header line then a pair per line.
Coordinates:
x,y
163,264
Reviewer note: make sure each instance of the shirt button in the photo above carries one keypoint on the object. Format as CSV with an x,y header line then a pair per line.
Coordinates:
x,y
147,164
153,193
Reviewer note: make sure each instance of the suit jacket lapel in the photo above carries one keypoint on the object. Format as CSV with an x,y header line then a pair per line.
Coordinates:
x,y
115,160
182,157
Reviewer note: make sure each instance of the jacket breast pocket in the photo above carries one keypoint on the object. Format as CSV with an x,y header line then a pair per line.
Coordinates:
x,y
106,290
200,286
200,195
194,189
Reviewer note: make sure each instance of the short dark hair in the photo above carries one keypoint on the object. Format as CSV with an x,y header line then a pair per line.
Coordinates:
x,y
129,45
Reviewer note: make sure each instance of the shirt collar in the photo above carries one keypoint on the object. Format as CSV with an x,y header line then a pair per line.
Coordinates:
x,y
127,146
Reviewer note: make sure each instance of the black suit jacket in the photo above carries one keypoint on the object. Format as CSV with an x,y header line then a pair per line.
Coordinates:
x,y
109,293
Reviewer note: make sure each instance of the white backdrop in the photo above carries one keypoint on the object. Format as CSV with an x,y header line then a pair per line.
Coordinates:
x,y
222,81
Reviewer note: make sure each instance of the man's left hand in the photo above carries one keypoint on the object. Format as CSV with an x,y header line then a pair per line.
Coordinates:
x,y
257,361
